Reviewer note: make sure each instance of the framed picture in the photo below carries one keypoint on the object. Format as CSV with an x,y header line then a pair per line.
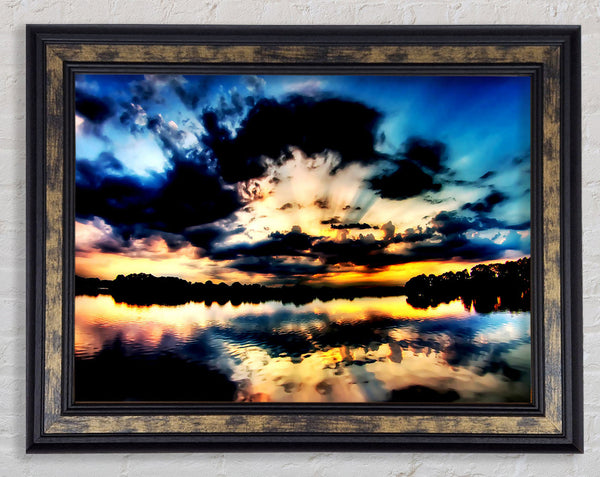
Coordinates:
x,y
293,238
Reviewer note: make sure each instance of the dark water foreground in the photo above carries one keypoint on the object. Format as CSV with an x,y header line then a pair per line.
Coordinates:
x,y
362,350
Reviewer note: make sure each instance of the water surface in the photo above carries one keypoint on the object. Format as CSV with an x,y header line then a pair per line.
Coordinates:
x,y
361,350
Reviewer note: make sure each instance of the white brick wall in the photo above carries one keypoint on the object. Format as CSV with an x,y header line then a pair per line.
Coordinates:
x,y
14,14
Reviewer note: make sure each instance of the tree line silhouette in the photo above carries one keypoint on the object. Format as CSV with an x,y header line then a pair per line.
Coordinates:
x,y
145,289
494,287
498,286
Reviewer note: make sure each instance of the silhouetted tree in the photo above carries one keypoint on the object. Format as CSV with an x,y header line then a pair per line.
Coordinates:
x,y
498,286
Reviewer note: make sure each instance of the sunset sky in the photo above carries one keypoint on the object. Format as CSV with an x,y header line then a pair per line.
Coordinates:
x,y
338,180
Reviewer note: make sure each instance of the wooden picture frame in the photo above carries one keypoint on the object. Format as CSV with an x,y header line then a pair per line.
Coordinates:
x,y
549,55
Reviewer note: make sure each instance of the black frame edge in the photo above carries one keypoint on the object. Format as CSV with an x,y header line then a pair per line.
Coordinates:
x,y
571,229
306,34
278,442
571,441
35,226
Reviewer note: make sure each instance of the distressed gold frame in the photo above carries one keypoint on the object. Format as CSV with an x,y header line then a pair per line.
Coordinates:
x,y
551,425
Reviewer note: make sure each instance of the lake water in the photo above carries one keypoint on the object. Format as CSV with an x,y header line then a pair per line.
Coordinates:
x,y
361,350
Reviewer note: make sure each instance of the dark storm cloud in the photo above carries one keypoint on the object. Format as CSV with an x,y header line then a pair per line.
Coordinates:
x,y
488,174
134,116
111,245
518,160
187,195
190,93
487,203
415,173
331,221
191,196
322,203
276,266
445,238
271,128
373,254
452,222
88,172
97,110
293,243
174,241
116,199
235,165
204,236
171,138
259,256
231,107
417,234
354,251
353,226
459,246
407,181
427,154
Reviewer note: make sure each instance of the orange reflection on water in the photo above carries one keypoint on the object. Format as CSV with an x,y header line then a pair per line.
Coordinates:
x,y
394,306
98,319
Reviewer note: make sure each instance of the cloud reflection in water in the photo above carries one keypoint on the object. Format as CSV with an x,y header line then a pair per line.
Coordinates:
x,y
362,350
